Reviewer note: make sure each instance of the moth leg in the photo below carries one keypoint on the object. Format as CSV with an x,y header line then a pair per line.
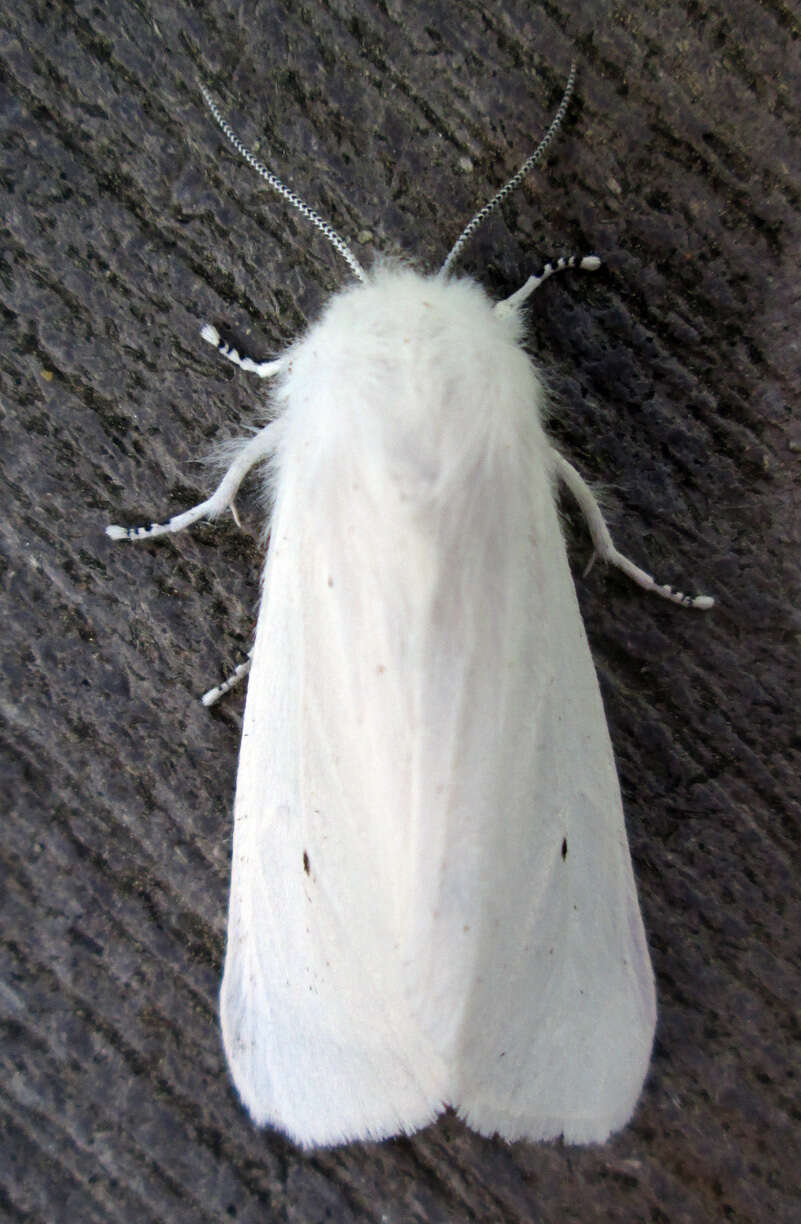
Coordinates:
x,y
239,673
605,548
260,446
590,263
264,369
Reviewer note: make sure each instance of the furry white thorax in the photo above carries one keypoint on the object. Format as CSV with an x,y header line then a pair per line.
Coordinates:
x,y
419,373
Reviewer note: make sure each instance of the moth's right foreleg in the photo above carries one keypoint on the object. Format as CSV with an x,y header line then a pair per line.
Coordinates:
x,y
590,263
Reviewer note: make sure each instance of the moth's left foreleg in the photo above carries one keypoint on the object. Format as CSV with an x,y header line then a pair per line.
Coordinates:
x,y
264,369
604,546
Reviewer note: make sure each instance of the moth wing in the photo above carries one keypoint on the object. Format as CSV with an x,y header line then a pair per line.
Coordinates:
x,y
315,1014
541,989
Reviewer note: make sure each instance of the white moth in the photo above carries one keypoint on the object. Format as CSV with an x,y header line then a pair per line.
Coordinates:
x,y
432,899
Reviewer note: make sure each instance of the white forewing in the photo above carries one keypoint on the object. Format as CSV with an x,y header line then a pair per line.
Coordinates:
x,y
432,899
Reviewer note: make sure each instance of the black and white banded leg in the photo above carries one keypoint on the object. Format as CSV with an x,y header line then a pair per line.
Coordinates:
x,y
259,447
264,369
604,546
219,690
589,263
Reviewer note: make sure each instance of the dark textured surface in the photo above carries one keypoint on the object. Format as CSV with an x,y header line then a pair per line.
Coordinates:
x,y
126,223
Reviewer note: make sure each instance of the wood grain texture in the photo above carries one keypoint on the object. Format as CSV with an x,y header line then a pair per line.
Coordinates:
x,y
675,375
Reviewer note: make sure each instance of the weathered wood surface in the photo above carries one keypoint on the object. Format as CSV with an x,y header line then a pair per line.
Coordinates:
x,y
676,373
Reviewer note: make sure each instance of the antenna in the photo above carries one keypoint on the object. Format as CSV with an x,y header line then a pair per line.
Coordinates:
x,y
333,237
515,181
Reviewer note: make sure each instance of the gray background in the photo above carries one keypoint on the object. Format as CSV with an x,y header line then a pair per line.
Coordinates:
x,y
674,371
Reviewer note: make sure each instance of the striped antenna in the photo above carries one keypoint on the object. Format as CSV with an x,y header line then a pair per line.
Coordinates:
x,y
514,182
333,237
